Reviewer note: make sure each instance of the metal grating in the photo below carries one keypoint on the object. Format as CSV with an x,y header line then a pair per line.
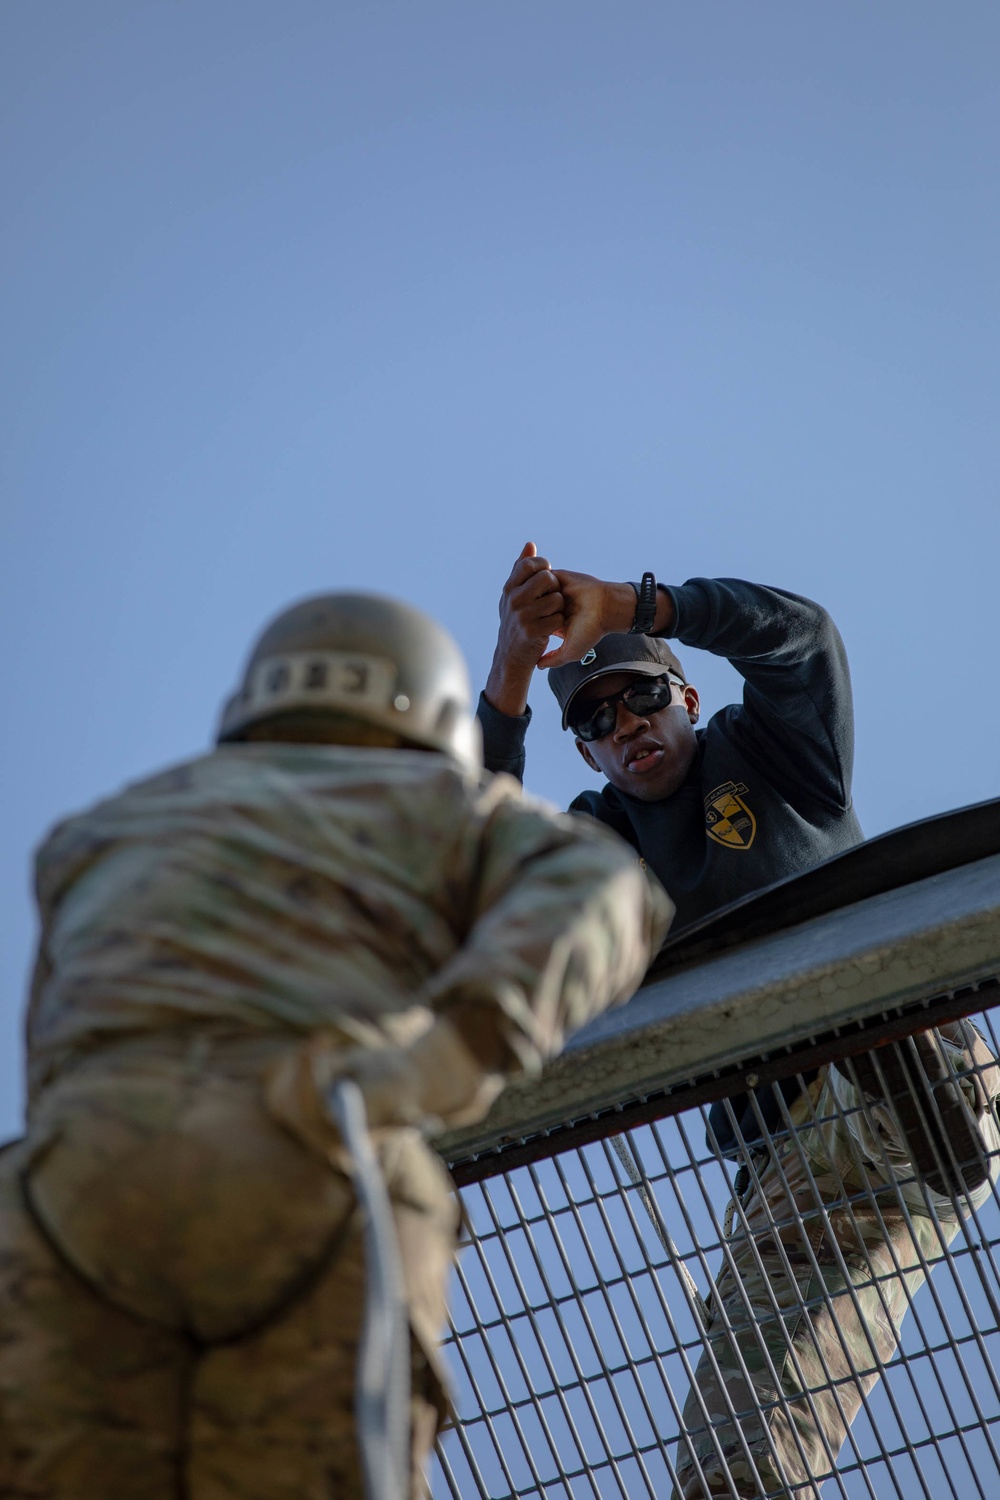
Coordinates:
x,y
577,1326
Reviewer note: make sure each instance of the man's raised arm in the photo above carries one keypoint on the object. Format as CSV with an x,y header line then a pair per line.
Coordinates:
x,y
531,610
797,714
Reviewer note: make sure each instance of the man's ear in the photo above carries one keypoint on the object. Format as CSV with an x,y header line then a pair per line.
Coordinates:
x,y
584,750
691,702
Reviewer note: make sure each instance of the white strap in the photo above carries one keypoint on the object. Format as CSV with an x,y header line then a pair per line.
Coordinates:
x,y
383,1377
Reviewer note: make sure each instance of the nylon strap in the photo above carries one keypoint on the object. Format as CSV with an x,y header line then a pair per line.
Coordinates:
x,y
382,1401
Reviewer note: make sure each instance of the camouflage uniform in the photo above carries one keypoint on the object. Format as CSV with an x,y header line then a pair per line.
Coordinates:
x,y
182,1279
826,1246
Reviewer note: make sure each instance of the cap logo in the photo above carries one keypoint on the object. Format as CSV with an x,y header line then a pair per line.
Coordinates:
x,y
590,656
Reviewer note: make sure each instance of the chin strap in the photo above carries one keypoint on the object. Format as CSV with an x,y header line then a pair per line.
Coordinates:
x,y
383,1376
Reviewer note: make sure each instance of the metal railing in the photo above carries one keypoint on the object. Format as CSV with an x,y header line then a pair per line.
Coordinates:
x,y
582,1363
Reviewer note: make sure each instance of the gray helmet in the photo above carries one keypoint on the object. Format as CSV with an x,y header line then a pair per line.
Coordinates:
x,y
365,656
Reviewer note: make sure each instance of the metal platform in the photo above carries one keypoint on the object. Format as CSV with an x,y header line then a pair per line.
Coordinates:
x,y
577,1313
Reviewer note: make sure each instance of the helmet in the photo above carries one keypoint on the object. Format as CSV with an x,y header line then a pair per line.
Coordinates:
x,y
365,656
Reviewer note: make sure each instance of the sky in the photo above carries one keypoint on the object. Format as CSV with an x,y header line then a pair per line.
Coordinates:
x,y
327,294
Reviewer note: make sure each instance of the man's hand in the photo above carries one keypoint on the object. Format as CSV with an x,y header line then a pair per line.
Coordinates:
x,y
594,609
531,610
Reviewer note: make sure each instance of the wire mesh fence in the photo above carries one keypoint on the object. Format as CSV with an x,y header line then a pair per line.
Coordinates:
x,y
648,1317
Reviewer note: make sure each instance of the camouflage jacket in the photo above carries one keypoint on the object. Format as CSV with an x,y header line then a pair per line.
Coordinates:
x,y
288,888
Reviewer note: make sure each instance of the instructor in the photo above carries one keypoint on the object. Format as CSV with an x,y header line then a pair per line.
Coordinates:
x,y
762,792
799,1329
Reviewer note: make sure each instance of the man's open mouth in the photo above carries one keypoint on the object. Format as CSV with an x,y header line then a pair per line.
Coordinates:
x,y
643,757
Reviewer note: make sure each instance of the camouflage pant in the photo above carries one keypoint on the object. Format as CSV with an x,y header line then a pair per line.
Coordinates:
x,y
825,1254
182,1288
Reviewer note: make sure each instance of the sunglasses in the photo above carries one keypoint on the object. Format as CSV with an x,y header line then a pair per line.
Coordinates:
x,y
592,721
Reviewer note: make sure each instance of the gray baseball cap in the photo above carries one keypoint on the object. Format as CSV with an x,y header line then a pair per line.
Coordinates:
x,y
645,655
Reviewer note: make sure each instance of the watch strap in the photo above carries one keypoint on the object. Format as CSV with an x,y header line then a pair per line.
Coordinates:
x,y
645,605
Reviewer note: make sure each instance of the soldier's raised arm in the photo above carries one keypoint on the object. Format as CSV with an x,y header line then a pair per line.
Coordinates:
x,y
562,923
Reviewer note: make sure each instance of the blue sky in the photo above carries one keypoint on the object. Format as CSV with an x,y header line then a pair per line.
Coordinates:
x,y
314,294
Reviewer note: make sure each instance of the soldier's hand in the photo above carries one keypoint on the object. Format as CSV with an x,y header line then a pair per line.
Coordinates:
x,y
435,1084
531,610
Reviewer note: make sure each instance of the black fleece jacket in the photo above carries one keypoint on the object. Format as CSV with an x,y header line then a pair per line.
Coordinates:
x,y
769,791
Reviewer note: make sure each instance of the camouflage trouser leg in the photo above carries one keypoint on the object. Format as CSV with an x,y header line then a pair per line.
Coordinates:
x,y
273,1413
74,1371
823,1260
182,1292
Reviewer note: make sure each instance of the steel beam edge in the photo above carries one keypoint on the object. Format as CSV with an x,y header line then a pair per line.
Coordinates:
x,y
845,967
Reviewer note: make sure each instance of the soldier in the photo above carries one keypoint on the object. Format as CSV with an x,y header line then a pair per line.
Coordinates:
x,y
865,1172
336,892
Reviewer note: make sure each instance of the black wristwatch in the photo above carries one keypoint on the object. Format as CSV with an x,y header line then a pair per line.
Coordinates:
x,y
645,606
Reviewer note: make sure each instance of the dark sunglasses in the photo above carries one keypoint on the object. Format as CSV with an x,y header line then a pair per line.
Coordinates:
x,y
592,721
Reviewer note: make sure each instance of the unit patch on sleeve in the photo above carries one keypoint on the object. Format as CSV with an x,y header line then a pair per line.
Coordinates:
x,y
728,820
